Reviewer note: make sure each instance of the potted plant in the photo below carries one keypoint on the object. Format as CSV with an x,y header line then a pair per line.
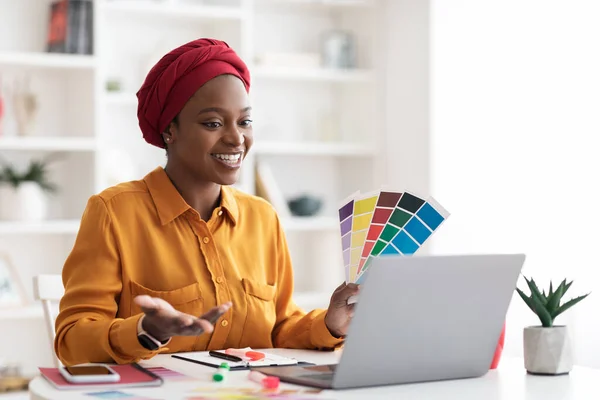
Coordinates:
x,y
23,195
547,348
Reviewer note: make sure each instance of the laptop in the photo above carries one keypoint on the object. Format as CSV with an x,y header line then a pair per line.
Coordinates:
x,y
420,319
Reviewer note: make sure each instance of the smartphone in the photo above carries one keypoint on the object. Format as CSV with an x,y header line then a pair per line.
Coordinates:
x,y
92,373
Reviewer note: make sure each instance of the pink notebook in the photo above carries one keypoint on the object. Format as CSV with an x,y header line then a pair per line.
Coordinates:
x,y
132,375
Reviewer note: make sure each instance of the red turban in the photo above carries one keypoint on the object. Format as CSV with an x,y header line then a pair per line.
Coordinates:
x,y
177,76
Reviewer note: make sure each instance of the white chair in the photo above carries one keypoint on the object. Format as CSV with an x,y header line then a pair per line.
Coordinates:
x,y
49,289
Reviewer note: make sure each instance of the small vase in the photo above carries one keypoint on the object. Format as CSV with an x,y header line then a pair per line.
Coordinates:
x,y
26,107
547,351
26,203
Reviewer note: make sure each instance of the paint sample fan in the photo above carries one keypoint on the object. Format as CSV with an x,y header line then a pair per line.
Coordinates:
x,y
383,223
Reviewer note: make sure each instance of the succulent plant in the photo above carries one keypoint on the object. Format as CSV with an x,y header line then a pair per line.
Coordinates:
x,y
36,172
547,306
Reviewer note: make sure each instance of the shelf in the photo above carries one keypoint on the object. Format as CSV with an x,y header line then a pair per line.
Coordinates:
x,y
319,3
48,143
313,149
47,60
31,311
43,227
139,7
19,313
313,74
310,223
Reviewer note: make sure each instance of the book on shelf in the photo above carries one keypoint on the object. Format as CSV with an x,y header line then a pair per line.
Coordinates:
x,y
268,189
70,28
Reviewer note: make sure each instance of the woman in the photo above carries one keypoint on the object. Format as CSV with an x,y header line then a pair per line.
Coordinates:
x,y
153,255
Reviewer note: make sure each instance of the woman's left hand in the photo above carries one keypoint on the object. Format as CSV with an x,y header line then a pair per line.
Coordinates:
x,y
340,313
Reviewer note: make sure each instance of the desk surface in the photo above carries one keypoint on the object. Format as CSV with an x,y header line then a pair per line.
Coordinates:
x,y
509,381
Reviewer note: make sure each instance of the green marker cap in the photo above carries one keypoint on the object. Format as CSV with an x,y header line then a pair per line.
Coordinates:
x,y
218,377
224,365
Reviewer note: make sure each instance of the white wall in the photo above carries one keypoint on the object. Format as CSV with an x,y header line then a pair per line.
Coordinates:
x,y
406,93
515,124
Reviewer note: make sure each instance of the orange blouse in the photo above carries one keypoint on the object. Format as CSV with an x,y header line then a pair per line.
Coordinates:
x,y
141,237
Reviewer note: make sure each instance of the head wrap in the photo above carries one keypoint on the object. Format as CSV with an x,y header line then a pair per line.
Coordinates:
x,y
177,76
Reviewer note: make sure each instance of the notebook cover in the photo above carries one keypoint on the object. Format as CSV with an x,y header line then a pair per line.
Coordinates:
x,y
132,375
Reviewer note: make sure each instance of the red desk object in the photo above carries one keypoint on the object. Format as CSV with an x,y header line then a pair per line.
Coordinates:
x,y
132,375
499,348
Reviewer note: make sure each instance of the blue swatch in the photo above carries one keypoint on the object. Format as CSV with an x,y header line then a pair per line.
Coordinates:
x,y
430,216
389,250
417,230
404,243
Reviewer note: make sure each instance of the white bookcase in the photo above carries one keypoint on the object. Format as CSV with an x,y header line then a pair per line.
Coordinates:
x,y
319,129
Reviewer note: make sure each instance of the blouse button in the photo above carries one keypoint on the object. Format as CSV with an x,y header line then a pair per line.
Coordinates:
x,y
206,239
220,212
219,279
224,323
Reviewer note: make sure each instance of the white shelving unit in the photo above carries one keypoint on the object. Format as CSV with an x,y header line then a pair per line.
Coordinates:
x,y
58,227
315,149
30,312
46,60
175,10
313,74
48,143
84,122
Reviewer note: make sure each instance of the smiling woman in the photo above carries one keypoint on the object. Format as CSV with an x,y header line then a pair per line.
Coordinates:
x,y
180,257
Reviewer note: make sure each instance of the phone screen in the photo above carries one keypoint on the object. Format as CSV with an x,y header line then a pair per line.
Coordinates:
x,y
86,370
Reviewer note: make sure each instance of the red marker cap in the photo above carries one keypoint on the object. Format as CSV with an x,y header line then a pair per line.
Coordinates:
x,y
270,382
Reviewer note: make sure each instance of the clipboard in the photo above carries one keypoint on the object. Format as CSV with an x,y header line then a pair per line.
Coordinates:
x,y
270,360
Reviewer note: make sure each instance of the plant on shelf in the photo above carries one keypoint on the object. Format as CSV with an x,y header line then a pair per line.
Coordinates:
x,y
547,348
23,194
36,173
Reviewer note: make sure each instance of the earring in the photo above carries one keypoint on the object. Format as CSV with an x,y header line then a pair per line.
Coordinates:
x,y
167,139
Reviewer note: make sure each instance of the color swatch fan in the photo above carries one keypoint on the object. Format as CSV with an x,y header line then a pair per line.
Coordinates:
x,y
385,223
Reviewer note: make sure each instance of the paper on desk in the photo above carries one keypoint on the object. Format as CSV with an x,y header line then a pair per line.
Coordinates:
x,y
269,360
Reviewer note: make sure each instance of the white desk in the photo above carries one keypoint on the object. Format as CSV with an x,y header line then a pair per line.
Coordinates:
x,y
510,381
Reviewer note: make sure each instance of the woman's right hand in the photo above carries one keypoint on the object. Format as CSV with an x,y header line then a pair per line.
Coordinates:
x,y
162,321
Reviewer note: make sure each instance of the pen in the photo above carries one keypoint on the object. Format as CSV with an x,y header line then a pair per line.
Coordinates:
x,y
223,356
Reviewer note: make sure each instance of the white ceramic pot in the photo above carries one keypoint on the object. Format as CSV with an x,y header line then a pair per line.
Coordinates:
x,y
25,203
547,351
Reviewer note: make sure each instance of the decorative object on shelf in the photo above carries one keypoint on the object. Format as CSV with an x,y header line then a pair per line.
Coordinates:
x,y
385,223
339,50
267,188
113,85
11,379
23,195
70,29
547,348
12,292
25,104
305,205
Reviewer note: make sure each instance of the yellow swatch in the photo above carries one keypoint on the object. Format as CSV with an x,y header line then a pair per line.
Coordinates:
x,y
365,205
